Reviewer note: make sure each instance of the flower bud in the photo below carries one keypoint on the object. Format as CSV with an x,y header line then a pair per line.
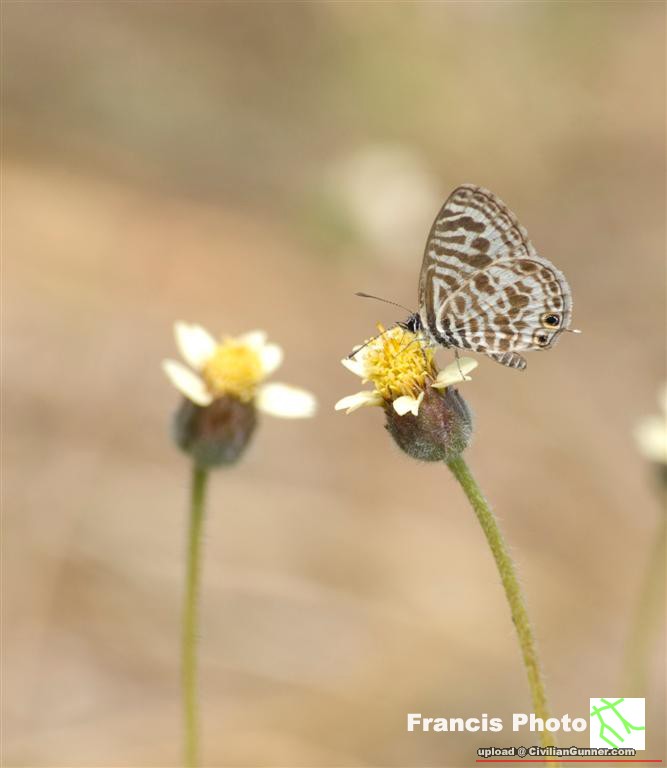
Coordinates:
x,y
217,434
440,431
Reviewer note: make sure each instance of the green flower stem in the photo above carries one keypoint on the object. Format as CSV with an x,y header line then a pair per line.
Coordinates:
x,y
191,617
512,590
649,609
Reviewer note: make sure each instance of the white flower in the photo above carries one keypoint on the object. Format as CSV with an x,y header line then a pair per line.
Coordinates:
x,y
236,367
399,367
651,433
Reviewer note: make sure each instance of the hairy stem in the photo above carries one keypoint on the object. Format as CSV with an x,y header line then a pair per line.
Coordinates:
x,y
647,618
513,592
191,617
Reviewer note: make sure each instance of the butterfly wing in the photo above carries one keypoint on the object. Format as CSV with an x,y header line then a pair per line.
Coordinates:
x,y
483,287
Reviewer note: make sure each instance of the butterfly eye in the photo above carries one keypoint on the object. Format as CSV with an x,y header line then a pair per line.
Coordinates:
x,y
553,321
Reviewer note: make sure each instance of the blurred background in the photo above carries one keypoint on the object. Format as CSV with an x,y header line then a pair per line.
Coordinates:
x,y
252,165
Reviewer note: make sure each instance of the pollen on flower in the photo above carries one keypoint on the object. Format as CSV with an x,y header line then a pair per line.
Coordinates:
x,y
235,369
398,364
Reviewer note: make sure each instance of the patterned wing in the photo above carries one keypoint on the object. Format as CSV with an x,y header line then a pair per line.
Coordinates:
x,y
483,286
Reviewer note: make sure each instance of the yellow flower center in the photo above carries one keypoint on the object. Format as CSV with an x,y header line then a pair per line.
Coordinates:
x,y
234,369
398,364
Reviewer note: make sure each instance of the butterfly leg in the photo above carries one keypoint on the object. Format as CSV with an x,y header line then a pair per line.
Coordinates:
x,y
458,363
425,342
416,340
510,359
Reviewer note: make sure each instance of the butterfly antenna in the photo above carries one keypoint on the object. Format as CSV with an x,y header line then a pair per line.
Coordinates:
x,y
385,301
572,330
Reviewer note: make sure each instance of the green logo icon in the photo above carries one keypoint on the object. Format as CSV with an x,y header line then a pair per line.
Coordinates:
x,y
618,722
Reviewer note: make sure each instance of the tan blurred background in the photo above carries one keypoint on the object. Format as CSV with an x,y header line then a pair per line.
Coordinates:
x,y
252,165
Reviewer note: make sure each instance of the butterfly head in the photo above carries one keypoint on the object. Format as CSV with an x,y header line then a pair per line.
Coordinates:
x,y
412,324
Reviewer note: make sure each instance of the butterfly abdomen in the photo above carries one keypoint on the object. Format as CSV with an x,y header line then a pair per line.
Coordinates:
x,y
510,359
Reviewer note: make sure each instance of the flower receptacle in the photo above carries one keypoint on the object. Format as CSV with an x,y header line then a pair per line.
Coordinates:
x,y
441,430
217,434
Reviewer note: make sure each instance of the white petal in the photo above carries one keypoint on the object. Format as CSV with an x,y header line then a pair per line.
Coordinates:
x,y
353,402
455,372
187,382
254,339
651,434
286,401
408,404
355,365
195,344
271,356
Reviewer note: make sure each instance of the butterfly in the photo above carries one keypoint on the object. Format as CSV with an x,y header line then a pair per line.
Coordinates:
x,y
483,287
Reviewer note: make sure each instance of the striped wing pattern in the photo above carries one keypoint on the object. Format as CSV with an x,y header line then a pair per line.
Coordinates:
x,y
483,286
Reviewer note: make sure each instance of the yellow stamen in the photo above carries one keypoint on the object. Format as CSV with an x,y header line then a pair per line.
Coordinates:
x,y
234,369
398,364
